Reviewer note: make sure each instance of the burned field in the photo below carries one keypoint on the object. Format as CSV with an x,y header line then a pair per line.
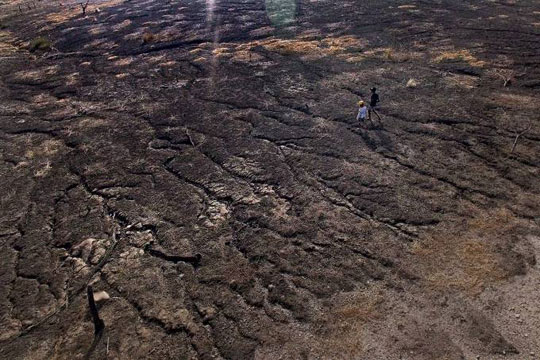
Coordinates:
x,y
200,163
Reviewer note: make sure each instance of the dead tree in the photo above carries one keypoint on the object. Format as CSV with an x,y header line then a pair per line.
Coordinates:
x,y
506,75
84,6
518,135
190,138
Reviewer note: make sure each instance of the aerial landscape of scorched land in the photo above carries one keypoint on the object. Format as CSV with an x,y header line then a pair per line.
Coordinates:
x,y
190,179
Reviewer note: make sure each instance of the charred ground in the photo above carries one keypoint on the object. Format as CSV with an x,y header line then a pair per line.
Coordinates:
x,y
220,129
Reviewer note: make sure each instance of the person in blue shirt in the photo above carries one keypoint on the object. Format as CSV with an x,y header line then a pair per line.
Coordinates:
x,y
362,112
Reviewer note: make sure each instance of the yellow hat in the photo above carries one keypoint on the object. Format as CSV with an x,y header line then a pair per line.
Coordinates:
x,y
361,103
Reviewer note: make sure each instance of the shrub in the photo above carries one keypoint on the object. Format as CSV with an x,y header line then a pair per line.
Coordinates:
x,y
40,43
148,37
389,54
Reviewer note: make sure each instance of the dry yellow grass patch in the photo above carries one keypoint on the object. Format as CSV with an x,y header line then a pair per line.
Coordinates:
x,y
196,51
72,78
200,60
134,35
342,331
6,48
308,47
512,100
155,59
122,25
97,30
44,170
459,55
43,98
355,59
246,56
467,259
91,123
96,44
35,75
70,12
169,34
168,63
124,62
463,81
45,149
388,54
221,52
291,47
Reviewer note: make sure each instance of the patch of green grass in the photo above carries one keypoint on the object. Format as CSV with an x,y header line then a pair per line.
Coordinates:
x,y
40,43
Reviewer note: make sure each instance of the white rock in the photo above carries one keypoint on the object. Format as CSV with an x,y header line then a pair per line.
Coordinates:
x,y
412,83
100,296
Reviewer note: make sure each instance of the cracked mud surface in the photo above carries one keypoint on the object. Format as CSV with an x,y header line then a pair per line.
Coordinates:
x,y
254,218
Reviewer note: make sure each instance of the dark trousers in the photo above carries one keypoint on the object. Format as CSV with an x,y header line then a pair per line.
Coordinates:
x,y
372,109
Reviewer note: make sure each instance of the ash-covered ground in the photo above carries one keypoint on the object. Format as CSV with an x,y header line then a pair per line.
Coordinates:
x,y
200,162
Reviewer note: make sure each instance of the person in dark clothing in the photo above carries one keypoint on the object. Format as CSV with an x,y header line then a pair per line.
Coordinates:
x,y
373,104
374,97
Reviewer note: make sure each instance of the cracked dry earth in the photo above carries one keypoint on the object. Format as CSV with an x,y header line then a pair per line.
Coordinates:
x,y
230,133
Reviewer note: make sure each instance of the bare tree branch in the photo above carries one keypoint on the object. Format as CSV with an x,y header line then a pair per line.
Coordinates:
x,y
84,6
189,137
506,75
518,136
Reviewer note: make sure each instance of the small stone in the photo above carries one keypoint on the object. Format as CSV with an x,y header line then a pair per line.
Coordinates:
x,y
517,316
532,353
100,296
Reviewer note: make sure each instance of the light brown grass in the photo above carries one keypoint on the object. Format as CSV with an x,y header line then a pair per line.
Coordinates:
x,y
466,259
69,12
309,47
459,56
342,334
6,40
45,149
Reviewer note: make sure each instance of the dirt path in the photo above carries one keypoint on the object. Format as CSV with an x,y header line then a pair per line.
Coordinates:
x,y
226,130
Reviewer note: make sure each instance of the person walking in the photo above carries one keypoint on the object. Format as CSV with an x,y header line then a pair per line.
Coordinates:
x,y
362,112
373,104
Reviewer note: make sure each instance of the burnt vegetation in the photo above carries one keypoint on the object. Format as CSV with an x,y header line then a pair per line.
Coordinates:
x,y
199,162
